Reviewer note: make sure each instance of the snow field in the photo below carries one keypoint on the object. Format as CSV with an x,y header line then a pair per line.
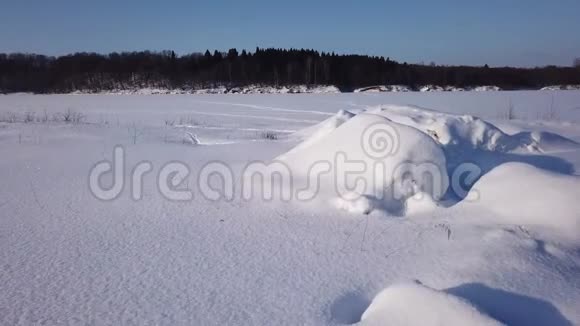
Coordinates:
x,y
511,256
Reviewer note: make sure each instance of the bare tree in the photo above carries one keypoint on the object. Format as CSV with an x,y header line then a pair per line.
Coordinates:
x,y
577,62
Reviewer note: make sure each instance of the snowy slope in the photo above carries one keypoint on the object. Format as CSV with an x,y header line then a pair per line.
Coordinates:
x,y
511,256
415,304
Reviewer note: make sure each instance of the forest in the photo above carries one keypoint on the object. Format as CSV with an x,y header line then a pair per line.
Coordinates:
x,y
22,72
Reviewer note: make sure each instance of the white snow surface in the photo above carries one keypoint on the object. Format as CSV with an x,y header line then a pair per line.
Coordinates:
x,y
416,304
383,88
519,193
368,139
506,251
561,87
486,88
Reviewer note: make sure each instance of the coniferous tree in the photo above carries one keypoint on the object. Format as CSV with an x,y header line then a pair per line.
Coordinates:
x,y
95,72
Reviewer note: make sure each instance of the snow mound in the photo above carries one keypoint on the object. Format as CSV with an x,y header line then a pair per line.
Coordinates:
x,y
447,129
427,146
371,162
544,141
518,193
416,304
469,132
353,203
311,135
420,203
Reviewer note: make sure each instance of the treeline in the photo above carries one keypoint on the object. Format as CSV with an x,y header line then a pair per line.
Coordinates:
x,y
277,67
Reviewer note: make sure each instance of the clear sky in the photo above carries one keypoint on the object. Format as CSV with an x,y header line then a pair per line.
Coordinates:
x,y
496,32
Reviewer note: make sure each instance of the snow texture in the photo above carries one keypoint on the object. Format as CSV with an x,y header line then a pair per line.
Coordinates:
x,y
507,251
416,304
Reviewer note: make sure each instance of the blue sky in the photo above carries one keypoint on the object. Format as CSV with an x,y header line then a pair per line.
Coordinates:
x,y
506,32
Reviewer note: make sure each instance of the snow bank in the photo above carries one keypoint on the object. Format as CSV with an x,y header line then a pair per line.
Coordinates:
x,y
420,203
257,89
422,140
251,89
293,89
325,89
454,89
469,132
373,162
561,88
431,88
424,88
311,135
436,88
545,141
383,88
518,193
447,129
415,304
296,89
488,88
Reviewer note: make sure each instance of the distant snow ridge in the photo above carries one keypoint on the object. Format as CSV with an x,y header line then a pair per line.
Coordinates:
x,y
424,88
256,89
488,88
251,89
383,88
431,88
292,89
561,88
416,304
436,88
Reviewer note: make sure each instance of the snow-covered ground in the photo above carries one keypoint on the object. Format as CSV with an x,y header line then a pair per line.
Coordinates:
x,y
495,240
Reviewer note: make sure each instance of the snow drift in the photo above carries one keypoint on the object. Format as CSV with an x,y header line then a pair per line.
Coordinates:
x,y
519,193
469,132
423,144
415,304
372,161
313,134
